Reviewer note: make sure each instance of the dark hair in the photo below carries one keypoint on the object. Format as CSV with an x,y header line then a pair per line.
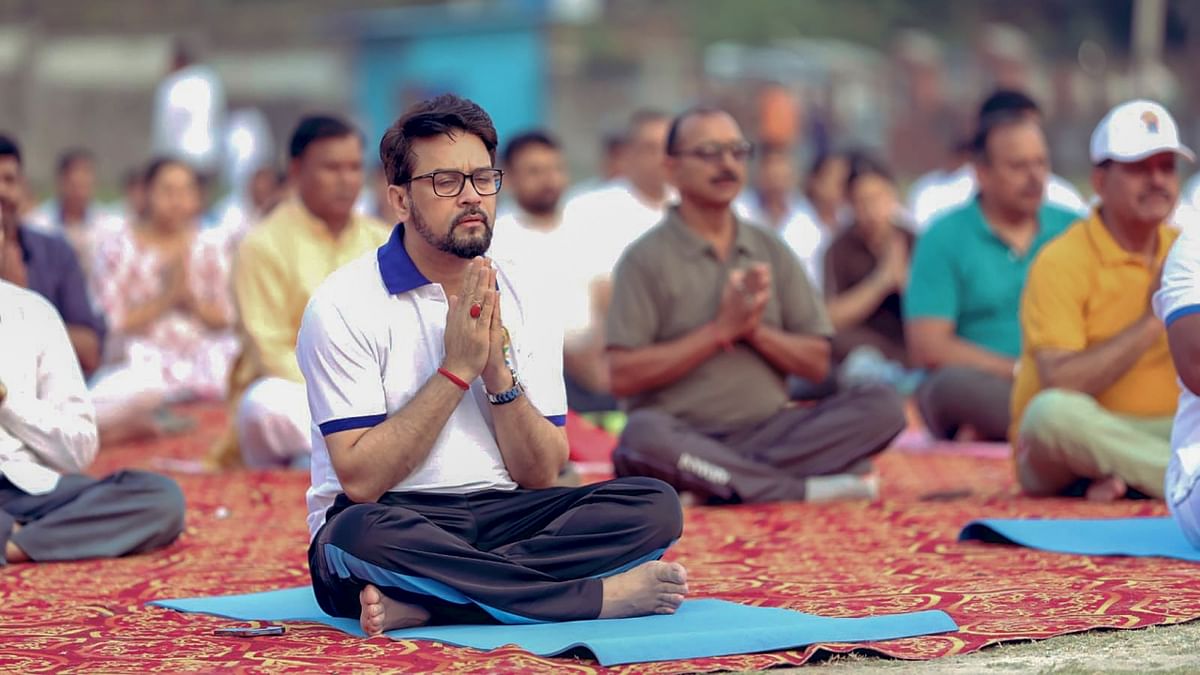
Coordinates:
x,y
9,147
863,164
1007,100
315,128
158,164
674,130
70,157
536,137
613,141
442,115
993,123
823,159
132,176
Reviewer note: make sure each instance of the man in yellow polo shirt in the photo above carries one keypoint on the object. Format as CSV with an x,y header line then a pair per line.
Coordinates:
x,y
1096,390
278,265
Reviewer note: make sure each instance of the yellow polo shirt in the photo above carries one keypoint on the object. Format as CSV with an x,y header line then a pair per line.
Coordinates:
x,y
1082,290
278,266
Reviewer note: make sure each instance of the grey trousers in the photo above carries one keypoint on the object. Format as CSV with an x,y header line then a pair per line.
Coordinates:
x,y
126,512
955,397
770,461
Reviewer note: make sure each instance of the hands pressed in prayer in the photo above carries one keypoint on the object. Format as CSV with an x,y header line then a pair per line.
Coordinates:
x,y
497,376
469,334
743,302
893,264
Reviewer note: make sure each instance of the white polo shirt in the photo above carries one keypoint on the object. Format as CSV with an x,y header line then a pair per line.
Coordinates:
x,y
372,335
1179,296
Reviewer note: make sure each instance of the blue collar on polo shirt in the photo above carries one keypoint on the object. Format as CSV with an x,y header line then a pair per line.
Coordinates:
x,y
399,272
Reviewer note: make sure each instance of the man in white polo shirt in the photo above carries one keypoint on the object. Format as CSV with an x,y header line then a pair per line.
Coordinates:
x,y
435,384
48,509
1177,303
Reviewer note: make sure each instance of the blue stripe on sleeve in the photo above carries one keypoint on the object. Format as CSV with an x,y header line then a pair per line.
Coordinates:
x,y
1180,313
363,422
557,420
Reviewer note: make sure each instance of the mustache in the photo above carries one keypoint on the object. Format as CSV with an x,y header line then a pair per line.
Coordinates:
x,y
726,175
473,212
1156,192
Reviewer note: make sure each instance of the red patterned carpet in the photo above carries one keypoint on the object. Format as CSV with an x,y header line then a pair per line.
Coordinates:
x,y
246,533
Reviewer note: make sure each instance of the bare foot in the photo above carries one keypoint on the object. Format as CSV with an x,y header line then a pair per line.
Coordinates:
x,y
381,613
1107,489
655,587
12,552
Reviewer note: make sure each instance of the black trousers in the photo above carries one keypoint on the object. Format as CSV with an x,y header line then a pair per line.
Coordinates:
x,y
770,461
126,512
520,556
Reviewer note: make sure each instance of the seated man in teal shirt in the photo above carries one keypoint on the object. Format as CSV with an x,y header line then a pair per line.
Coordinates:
x,y
968,270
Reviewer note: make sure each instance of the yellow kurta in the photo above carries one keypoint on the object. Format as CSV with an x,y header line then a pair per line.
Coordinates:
x,y
278,266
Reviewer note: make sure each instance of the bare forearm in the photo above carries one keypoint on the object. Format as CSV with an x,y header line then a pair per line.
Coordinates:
x,y
805,356
534,449
86,344
1184,339
1097,368
952,351
390,451
633,371
853,306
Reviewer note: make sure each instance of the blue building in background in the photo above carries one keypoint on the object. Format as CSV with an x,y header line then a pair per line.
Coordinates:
x,y
494,53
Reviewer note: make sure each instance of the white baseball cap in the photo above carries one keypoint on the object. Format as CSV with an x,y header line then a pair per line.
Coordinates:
x,y
1135,130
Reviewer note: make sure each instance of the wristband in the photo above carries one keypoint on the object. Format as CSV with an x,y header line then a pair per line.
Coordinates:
x,y
458,381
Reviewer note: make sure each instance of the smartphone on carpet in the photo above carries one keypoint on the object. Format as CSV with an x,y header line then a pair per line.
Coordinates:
x,y
250,632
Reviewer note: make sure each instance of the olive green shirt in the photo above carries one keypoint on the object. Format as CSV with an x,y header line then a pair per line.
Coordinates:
x,y
669,283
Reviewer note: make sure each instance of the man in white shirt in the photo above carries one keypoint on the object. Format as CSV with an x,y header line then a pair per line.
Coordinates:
x,y
74,211
48,510
597,228
536,173
931,197
438,425
189,113
1177,303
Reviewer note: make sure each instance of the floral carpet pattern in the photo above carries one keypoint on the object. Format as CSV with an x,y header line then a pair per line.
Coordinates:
x,y
246,533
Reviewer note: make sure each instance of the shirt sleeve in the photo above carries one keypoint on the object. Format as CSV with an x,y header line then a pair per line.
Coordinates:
x,y
1052,305
633,319
341,371
74,302
802,309
260,290
58,423
932,291
1179,294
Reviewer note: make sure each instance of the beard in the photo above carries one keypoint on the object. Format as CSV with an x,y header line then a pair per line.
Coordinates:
x,y
541,204
454,241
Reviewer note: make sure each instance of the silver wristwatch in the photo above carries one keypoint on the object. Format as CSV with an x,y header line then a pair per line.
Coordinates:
x,y
510,395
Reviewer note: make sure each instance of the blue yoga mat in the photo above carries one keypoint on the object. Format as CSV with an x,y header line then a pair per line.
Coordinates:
x,y
1122,536
700,628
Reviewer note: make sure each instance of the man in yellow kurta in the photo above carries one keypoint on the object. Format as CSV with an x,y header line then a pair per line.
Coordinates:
x,y
1096,389
278,265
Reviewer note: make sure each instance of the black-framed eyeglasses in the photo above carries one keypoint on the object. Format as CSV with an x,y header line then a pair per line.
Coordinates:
x,y
450,183
712,153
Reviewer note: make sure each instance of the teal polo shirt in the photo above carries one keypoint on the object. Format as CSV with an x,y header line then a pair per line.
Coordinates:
x,y
962,272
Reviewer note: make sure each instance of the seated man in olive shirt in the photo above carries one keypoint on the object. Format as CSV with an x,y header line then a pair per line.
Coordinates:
x,y
709,315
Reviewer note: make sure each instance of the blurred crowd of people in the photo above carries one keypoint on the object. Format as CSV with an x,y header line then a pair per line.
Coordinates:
x,y
985,294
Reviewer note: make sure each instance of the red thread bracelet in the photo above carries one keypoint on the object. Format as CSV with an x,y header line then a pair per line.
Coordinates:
x,y
458,381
